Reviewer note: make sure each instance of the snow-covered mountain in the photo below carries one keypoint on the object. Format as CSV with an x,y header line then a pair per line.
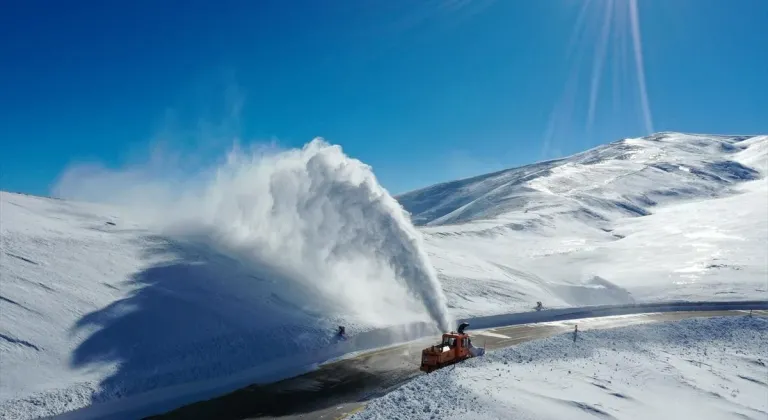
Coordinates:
x,y
669,216
622,178
102,303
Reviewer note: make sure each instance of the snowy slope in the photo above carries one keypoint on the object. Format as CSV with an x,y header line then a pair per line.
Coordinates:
x,y
93,311
60,261
670,216
693,369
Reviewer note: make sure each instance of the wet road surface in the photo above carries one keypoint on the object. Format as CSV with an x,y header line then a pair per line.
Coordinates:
x,y
337,389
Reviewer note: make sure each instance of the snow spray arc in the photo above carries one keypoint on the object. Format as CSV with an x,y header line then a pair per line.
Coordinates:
x,y
317,211
335,240
322,217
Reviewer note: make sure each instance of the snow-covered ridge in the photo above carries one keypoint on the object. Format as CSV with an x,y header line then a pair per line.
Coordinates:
x,y
668,216
624,178
698,368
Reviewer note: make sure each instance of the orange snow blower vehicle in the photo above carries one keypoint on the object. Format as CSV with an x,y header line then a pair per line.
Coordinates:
x,y
455,347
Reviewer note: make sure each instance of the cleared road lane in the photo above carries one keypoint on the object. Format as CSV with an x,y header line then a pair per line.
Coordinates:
x,y
337,389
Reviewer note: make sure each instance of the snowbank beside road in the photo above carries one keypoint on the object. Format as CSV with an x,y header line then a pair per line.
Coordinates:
x,y
697,368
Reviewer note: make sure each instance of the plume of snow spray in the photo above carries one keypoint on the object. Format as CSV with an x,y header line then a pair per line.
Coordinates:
x,y
313,214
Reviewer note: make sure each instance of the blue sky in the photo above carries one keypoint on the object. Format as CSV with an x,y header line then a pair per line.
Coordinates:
x,y
422,91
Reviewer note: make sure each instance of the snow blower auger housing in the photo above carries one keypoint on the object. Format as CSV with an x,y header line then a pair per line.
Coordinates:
x,y
455,347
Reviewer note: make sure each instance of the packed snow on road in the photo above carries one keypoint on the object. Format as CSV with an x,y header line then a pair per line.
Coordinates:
x,y
155,293
707,368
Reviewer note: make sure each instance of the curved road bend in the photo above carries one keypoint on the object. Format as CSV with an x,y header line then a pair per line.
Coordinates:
x,y
338,389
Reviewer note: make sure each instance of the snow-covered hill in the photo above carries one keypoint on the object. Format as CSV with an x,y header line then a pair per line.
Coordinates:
x,y
670,216
188,293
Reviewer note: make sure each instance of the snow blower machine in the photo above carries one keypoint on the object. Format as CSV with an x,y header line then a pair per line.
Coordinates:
x,y
455,347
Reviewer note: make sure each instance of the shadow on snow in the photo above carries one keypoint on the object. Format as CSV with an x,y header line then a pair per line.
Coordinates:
x,y
199,315
185,314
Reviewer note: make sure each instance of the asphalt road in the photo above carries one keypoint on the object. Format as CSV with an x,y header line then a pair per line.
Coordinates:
x,y
340,388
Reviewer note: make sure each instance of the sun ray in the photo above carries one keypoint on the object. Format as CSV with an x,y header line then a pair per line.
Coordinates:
x,y
561,116
640,67
617,58
597,65
606,41
576,34
623,54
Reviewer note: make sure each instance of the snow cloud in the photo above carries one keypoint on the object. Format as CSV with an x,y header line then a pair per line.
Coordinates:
x,y
313,214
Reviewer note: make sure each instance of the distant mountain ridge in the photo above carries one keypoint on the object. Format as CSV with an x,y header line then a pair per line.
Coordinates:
x,y
709,164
